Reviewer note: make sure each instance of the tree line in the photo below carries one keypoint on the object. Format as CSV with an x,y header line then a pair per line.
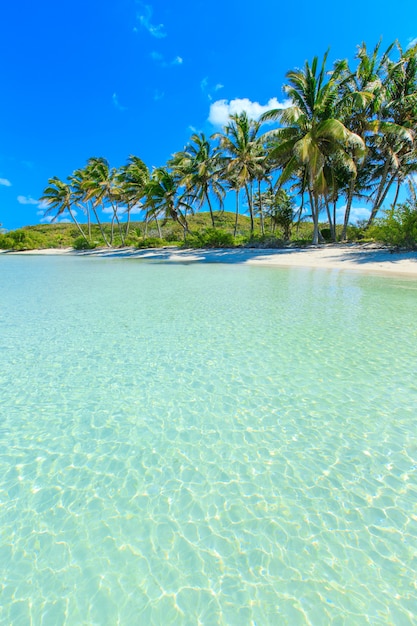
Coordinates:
x,y
348,133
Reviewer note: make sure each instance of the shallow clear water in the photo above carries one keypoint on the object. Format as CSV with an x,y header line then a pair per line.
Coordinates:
x,y
206,444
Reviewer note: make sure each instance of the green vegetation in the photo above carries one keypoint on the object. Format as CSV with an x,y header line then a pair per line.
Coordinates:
x,y
397,227
348,132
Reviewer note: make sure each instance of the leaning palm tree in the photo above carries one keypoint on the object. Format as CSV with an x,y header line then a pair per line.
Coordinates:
x,y
163,199
198,168
103,187
310,134
133,179
393,140
58,197
242,155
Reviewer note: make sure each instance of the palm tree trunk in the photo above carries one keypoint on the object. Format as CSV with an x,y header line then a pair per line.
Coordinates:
x,y
348,208
183,221
329,218
116,217
210,209
378,201
158,227
261,215
112,231
77,224
237,211
315,216
89,221
300,212
100,226
128,221
394,204
248,196
384,195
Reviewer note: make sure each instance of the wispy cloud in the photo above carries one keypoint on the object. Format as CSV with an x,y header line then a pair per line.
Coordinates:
x,y
120,211
145,17
117,104
158,95
207,89
136,209
412,43
221,110
27,200
160,60
5,182
47,219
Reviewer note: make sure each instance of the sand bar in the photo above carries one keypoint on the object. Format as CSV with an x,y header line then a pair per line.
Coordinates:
x,y
367,258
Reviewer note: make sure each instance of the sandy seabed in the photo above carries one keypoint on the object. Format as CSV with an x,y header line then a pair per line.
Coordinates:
x,y
367,258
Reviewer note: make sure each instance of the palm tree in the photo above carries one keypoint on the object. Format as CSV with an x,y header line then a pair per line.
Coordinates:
x,y
393,140
60,198
101,186
243,157
198,169
282,212
133,179
162,198
310,134
81,184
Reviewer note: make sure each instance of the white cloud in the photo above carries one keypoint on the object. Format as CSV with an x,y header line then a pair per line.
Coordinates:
x,y
145,20
356,214
218,86
160,60
121,210
5,182
48,219
412,43
117,104
27,200
137,209
221,110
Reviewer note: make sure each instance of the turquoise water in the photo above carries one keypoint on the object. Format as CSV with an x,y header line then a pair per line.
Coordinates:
x,y
205,445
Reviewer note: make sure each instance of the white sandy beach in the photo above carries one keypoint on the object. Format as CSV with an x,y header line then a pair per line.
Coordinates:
x,y
349,257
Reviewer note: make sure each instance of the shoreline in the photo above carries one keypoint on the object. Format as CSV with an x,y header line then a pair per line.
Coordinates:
x,y
366,258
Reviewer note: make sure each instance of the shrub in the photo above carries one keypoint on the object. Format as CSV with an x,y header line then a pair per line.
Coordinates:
x,y
151,242
81,244
6,242
132,240
19,240
263,241
326,234
210,238
397,227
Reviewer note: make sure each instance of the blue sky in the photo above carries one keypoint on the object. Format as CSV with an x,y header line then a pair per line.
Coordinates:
x,y
82,79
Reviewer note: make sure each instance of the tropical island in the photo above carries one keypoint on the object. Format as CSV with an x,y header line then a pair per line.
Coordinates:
x,y
186,443
346,134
